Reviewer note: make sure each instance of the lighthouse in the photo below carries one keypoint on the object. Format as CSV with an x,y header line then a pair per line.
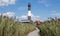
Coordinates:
x,y
29,15
29,11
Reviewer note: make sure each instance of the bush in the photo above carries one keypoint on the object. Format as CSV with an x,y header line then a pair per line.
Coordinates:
x,y
10,27
50,28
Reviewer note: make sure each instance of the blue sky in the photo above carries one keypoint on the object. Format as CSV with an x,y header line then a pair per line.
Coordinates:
x,y
41,8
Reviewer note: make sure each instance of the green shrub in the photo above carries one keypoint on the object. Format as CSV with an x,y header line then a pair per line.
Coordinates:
x,y
50,28
10,27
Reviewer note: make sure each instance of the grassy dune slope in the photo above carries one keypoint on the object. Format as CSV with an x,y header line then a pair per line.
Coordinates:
x,y
50,28
10,27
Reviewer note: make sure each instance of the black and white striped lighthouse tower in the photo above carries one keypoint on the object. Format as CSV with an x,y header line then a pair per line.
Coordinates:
x,y
29,11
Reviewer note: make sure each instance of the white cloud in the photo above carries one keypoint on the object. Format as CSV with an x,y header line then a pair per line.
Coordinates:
x,y
56,14
0,14
7,2
21,8
54,11
43,2
9,14
4,14
23,17
33,17
46,5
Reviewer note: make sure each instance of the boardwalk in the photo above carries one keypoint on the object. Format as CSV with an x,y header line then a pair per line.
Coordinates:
x,y
34,33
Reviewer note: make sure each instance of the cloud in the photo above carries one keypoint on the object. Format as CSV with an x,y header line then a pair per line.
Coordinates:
x,y
9,14
25,16
0,14
56,14
21,8
33,17
43,2
21,17
46,5
7,2
54,11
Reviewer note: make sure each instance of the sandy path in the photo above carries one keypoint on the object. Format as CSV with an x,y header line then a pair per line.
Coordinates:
x,y
34,33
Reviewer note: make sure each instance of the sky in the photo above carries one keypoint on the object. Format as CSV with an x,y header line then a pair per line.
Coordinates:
x,y
42,9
